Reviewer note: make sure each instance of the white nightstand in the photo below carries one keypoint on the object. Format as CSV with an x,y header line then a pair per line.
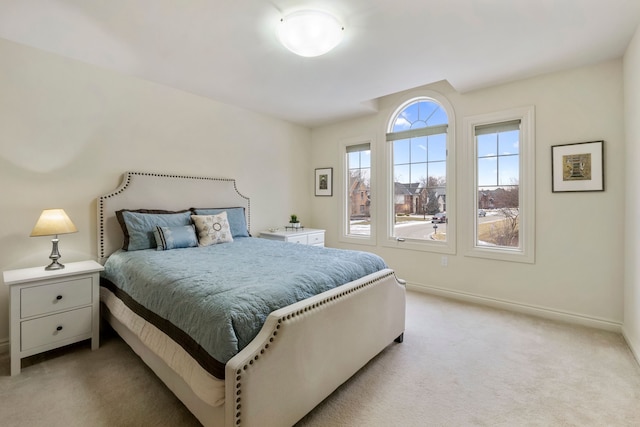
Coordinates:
x,y
50,309
305,236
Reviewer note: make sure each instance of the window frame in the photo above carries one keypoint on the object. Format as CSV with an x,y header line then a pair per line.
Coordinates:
x,y
527,185
448,247
344,237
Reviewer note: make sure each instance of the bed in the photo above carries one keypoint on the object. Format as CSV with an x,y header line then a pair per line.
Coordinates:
x,y
300,351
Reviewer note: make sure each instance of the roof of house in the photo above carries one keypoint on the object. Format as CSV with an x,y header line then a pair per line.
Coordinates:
x,y
409,189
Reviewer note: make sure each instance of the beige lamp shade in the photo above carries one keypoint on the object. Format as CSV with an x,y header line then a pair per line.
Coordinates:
x,y
53,222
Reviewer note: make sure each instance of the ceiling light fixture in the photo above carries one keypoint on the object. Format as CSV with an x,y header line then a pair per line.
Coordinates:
x,y
310,32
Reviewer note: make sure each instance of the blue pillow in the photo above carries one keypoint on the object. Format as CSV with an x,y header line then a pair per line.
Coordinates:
x,y
182,236
138,226
235,216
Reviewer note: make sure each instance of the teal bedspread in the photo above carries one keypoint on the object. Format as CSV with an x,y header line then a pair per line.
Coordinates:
x,y
220,295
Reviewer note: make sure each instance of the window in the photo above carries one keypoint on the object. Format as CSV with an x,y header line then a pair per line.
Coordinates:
x,y
419,147
501,156
498,169
357,197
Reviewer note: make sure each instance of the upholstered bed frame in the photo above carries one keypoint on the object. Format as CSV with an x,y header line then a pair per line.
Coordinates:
x,y
303,352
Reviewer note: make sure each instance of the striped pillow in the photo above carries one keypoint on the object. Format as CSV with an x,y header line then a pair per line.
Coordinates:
x,y
183,236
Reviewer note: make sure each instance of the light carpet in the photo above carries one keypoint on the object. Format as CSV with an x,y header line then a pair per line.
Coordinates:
x,y
460,365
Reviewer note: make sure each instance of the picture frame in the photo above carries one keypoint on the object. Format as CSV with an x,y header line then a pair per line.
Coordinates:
x,y
577,167
324,182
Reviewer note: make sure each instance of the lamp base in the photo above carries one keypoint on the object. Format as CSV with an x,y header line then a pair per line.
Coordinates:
x,y
55,256
55,265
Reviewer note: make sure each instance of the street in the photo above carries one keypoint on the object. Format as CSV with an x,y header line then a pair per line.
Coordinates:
x,y
420,229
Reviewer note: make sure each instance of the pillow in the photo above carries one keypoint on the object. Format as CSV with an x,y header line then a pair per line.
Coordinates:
x,y
182,236
235,216
212,229
138,225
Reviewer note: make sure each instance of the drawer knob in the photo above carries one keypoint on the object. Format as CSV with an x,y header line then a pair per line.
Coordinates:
x,y
59,297
59,328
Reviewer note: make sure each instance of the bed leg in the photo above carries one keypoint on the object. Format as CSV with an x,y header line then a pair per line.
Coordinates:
x,y
400,338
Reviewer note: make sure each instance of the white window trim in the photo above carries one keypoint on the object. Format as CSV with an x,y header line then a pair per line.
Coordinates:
x,y
527,186
344,196
448,247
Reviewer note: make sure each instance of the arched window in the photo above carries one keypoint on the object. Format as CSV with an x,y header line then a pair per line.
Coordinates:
x,y
419,139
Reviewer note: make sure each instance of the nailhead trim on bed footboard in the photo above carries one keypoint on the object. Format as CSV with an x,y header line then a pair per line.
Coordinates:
x,y
128,176
256,356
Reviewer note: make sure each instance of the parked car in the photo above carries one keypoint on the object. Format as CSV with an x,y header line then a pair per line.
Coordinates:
x,y
439,217
482,212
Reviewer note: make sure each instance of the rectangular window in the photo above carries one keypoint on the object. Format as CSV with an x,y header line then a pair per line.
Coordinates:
x,y
358,190
419,171
498,189
499,183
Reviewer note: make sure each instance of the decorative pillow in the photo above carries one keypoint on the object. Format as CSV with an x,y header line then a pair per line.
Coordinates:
x,y
138,225
183,236
235,216
212,229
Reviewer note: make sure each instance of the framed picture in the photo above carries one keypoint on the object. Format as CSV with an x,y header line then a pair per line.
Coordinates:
x,y
324,182
577,167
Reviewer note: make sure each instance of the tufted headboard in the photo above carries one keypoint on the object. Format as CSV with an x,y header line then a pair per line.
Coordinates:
x,y
142,190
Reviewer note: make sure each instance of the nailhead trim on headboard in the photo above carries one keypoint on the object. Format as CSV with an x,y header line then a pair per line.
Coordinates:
x,y
274,333
128,176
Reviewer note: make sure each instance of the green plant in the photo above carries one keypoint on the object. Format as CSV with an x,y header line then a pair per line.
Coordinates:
x,y
294,218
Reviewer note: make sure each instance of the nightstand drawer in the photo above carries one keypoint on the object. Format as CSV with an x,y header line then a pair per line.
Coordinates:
x,y
316,239
57,296
302,239
57,327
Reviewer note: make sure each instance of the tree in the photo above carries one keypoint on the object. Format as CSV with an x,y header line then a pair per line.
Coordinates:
x,y
507,231
433,206
506,199
507,196
430,186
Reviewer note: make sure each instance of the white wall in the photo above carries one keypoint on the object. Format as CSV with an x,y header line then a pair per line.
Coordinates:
x,y
69,130
632,230
578,272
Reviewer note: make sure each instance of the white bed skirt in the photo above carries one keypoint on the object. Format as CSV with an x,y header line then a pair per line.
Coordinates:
x,y
204,385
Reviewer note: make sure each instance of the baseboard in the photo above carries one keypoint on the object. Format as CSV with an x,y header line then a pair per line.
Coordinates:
x,y
635,348
544,312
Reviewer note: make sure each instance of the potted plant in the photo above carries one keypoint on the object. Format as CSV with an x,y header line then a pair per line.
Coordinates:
x,y
294,221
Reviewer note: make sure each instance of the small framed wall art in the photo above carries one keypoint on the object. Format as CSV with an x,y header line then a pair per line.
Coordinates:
x,y
324,182
577,167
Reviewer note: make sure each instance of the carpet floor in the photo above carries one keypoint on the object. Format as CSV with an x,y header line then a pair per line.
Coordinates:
x,y
459,365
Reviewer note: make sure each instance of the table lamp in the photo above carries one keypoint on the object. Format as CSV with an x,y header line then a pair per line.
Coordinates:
x,y
51,223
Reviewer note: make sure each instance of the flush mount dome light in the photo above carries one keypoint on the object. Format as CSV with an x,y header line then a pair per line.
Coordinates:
x,y
310,32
